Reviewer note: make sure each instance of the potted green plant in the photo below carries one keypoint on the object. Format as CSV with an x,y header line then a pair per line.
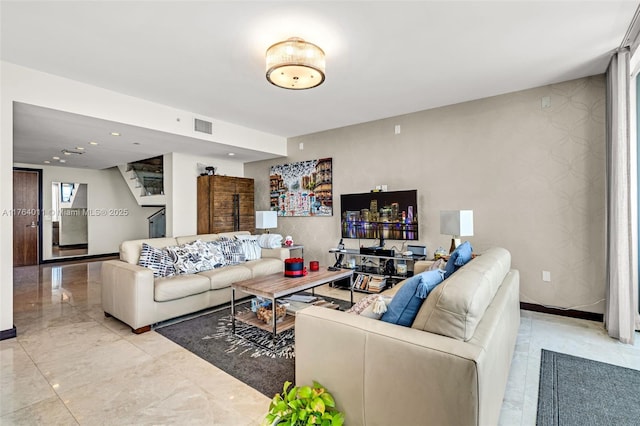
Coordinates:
x,y
304,405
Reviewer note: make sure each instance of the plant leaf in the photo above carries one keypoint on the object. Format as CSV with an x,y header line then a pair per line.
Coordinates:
x,y
328,399
318,405
338,419
305,392
292,394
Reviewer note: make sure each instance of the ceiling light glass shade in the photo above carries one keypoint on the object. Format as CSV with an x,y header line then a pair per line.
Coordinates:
x,y
295,64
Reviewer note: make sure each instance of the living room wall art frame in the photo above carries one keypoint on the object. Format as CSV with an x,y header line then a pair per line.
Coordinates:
x,y
302,189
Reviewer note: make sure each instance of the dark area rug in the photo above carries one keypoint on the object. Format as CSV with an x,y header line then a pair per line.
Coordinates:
x,y
579,391
253,358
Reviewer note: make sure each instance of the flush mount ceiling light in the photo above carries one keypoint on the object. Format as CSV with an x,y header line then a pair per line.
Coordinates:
x,y
295,64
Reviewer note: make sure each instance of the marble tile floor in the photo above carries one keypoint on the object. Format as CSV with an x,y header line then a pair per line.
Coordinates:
x,y
71,365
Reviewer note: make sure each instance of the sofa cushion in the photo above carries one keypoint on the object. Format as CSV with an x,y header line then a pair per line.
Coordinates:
x,y
456,306
158,260
405,304
193,257
130,250
460,256
265,266
179,286
224,277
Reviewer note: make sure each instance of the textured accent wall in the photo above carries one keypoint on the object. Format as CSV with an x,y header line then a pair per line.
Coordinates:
x,y
534,177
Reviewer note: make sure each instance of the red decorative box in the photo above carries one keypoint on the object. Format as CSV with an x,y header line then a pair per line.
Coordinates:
x,y
294,267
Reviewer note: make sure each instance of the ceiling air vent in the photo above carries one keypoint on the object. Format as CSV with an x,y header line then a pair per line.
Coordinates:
x,y
203,126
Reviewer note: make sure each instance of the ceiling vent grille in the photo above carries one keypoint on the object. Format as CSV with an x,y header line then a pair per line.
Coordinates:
x,y
203,126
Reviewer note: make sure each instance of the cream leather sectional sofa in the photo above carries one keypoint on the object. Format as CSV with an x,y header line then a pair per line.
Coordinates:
x,y
449,368
133,295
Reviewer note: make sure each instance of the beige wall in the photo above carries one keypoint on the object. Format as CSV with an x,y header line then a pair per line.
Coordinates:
x,y
534,177
113,213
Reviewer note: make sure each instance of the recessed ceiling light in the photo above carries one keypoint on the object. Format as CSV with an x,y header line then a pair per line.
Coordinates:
x,y
47,162
115,134
55,158
63,161
232,154
80,148
93,143
66,152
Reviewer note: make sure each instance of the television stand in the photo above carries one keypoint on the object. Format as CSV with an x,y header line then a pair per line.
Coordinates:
x,y
377,271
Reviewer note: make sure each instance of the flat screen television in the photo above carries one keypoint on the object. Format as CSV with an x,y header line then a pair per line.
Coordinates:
x,y
380,215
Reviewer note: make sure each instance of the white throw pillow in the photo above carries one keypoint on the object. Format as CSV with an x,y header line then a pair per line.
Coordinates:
x,y
250,248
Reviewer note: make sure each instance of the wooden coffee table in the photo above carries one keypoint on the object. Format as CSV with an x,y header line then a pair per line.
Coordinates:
x,y
276,286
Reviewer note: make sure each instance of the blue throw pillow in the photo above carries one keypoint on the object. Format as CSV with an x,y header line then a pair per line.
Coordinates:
x,y
405,304
460,256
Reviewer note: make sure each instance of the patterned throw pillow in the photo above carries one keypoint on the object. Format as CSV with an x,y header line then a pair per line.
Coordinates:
x,y
362,304
232,250
438,264
250,246
192,257
371,306
216,253
158,260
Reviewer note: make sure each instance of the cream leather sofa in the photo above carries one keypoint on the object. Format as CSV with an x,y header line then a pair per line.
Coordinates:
x,y
449,368
131,294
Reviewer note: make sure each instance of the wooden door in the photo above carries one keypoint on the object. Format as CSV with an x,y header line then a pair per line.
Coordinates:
x,y
204,205
222,203
26,209
244,189
217,198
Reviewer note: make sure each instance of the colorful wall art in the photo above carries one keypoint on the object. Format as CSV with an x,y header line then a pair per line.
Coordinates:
x,y
303,188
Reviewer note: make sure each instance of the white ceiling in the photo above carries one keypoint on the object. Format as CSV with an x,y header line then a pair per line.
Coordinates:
x,y
384,58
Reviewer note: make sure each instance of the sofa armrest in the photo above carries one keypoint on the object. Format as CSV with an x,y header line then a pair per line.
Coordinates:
x,y
422,265
128,293
276,253
376,370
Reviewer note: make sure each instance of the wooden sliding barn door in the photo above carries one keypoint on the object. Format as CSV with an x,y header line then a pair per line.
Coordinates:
x,y
225,204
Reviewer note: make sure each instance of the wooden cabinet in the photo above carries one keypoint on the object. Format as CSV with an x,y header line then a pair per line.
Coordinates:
x,y
225,204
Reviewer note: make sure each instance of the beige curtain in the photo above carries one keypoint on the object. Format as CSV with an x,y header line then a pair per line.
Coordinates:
x,y
621,310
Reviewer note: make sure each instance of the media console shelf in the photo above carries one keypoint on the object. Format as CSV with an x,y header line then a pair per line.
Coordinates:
x,y
374,273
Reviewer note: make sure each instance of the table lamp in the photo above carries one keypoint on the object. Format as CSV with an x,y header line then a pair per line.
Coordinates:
x,y
457,223
266,220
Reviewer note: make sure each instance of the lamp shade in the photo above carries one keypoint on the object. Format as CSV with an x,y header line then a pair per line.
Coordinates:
x,y
456,222
295,64
266,219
